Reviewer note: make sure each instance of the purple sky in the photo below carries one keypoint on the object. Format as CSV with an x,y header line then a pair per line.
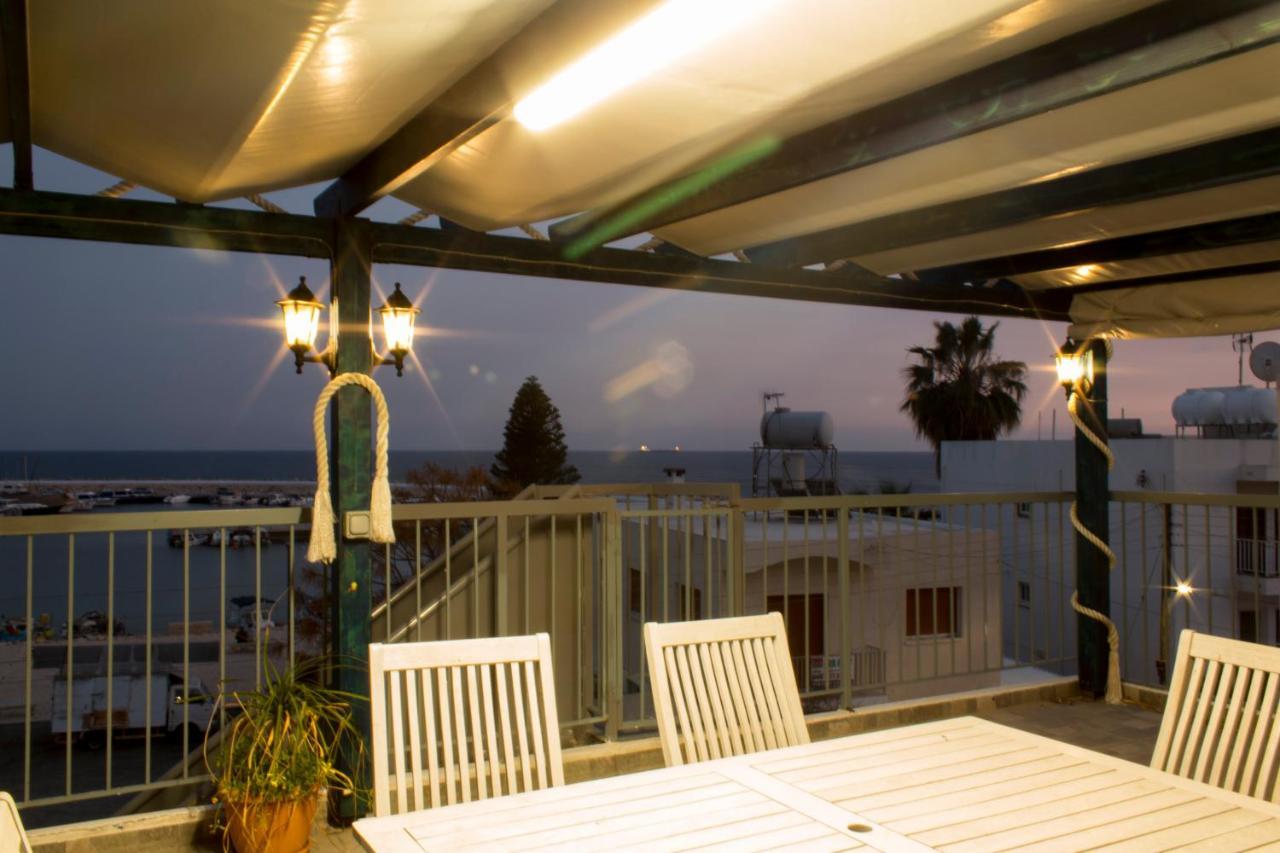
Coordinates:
x,y
134,348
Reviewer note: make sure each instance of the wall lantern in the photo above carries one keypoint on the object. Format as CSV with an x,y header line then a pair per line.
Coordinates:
x,y
301,321
1075,368
301,312
397,327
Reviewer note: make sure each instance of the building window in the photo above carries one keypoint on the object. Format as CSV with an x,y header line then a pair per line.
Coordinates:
x,y
1256,545
1024,594
634,594
934,612
1023,509
686,614
1249,626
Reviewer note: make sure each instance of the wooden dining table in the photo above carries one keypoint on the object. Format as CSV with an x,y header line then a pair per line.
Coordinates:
x,y
958,784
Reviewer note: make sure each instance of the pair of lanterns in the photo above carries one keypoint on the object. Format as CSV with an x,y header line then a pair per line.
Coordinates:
x,y
302,310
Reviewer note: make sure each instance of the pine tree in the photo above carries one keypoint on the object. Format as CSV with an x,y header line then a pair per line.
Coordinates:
x,y
533,449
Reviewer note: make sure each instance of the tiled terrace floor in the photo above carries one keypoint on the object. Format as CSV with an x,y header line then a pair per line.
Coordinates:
x,y
1125,731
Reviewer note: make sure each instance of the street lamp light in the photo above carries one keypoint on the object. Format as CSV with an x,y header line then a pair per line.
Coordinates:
x,y
301,320
301,312
397,327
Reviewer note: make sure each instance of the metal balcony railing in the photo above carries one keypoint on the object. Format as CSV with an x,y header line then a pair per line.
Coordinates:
x,y
120,626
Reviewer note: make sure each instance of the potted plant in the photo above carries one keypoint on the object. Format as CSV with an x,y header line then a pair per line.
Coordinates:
x,y
277,755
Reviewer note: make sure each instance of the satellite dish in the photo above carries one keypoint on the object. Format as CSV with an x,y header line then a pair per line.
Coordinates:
x,y
1264,361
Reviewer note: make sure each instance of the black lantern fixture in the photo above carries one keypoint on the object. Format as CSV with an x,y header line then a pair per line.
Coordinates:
x,y
301,312
301,320
397,327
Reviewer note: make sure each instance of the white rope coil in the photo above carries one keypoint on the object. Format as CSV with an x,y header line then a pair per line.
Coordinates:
x,y
1114,694
323,545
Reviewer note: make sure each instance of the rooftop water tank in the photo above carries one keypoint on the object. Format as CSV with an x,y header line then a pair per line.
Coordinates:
x,y
1247,405
788,430
1238,406
1199,407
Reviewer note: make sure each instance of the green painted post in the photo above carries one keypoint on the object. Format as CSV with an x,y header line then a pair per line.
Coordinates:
x,y
1093,507
351,459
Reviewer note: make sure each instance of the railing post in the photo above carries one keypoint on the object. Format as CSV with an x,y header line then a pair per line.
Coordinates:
x,y
501,626
1093,508
846,607
737,561
611,599
352,573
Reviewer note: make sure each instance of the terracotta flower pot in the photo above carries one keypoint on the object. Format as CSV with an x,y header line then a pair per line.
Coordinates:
x,y
283,827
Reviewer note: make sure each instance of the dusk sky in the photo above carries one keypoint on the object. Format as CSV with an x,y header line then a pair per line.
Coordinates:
x,y
135,348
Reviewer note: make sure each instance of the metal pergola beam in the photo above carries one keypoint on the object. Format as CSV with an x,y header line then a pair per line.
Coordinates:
x,y
1213,164
478,100
15,46
1163,39
1223,234
1262,268
44,214
469,250
117,220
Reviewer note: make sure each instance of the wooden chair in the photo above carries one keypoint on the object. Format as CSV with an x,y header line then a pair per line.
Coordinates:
x,y
1221,725
723,687
12,835
468,719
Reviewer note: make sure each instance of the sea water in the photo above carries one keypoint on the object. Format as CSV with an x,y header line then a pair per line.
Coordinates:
x,y
192,585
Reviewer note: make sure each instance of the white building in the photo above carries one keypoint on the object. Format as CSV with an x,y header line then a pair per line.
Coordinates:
x,y
1224,551
923,596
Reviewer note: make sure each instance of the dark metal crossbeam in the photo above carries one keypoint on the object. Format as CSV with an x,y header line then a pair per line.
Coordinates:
x,y
1162,39
1193,238
469,250
15,46
1213,164
1239,271
41,214
117,220
480,99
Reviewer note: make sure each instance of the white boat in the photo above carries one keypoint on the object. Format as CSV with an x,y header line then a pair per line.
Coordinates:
x,y
178,499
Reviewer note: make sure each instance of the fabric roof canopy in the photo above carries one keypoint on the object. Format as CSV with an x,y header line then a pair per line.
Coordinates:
x,y
1119,156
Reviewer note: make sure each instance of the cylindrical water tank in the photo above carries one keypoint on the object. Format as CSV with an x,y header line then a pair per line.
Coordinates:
x,y
1208,408
1184,408
1246,405
783,428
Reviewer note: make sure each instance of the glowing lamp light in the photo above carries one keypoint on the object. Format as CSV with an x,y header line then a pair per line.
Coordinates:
x,y
1074,368
397,326
301,320
673,30
1183,589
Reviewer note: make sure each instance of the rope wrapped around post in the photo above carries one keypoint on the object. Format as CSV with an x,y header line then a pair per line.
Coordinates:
x,y
323,545
1114,694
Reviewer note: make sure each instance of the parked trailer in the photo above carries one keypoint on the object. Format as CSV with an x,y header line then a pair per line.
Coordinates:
x,y
89,716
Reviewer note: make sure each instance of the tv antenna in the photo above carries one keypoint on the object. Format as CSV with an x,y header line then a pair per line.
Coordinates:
x,y
1241,344
775,396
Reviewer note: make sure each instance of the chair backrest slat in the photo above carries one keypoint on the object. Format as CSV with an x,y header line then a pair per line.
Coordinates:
x,y
723,687
442,721
1221,723
12,835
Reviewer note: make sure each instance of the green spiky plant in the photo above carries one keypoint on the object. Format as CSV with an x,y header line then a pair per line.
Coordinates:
x,y
281,746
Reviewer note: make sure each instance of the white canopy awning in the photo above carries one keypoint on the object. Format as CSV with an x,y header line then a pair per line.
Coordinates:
x,y
214,100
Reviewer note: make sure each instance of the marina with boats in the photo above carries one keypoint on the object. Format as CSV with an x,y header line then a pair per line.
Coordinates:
x,y
51,497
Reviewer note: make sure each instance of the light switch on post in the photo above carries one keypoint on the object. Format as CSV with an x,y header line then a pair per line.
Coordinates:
x,y
356,524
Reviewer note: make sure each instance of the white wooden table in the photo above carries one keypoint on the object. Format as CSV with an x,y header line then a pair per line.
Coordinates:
x,y
960,784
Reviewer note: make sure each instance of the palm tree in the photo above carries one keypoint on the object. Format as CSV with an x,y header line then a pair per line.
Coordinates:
x,y
959,390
